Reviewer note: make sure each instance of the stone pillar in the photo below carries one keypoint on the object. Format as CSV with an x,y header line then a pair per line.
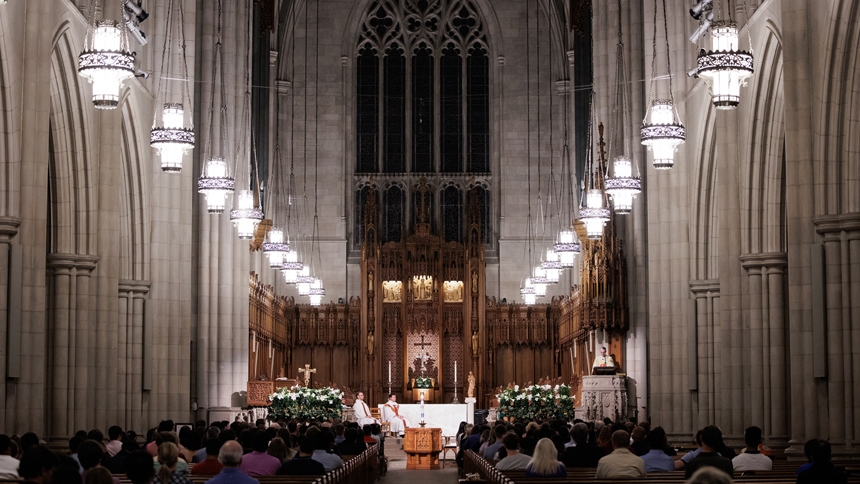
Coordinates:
x,y
130,352
706,292
69,312
841,238
766,313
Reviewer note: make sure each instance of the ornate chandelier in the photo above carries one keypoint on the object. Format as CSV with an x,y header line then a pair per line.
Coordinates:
x,y
623,186
172,139
594,215
246,217
567,248
106,61
317,291
725,67
539,281
527,291
304,281
552,266
275,249
215,185
291,267
663,134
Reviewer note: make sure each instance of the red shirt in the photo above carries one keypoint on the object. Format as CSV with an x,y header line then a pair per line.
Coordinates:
x,y
208,467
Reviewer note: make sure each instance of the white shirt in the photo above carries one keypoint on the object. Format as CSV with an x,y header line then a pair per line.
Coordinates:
x,y
362,413
752,461
8,467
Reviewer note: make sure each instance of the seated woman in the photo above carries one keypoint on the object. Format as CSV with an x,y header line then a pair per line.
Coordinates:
x,y
545,462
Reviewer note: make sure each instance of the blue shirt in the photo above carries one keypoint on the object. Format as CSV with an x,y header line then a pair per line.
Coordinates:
x,y
657,461
329,461
232,475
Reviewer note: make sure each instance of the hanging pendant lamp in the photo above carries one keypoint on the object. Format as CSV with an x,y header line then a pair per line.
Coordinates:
x,y
725,67
662,134
291,267
172,139
594,215
215,185
567,248
527,291
317,291
552,266
304,281
246,217
623,186
106,61
275,249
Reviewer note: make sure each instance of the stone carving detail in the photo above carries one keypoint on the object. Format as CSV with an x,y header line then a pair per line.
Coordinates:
x,y
604,396
258,393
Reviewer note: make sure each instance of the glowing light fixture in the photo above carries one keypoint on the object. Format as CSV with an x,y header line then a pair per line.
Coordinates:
x,y
527,291
247,216
304,281
594,215
567,247
215,185
291,267
552,266
106,61
276,248
623,186
317,292
662,134
172,139
725,67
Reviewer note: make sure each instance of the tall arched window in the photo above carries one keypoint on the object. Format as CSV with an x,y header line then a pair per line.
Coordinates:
x,y
422,109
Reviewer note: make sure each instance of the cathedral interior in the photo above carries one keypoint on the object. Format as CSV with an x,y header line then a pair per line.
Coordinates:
x,y
394,190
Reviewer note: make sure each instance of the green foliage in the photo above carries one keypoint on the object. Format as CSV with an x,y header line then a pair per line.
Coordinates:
x,y
302,403
423,382
536,402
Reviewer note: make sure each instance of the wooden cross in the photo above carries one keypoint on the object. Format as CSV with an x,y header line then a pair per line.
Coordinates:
x,y
307,370
422,344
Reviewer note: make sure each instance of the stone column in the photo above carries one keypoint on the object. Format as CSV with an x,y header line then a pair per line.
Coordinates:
x,y
130,352
766,313
8,231
705,292
68,316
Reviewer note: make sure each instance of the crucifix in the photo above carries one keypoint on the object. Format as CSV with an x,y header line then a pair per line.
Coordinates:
x,y
307,370
423,356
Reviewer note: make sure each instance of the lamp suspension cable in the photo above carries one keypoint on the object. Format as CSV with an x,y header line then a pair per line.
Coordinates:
x,y
317,290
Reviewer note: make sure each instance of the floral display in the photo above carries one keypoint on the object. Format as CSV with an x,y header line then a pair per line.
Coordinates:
x,y
302,403
536,402
423,382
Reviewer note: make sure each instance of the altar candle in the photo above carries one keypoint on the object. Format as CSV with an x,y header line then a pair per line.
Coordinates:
x,y
389,371
455,371
574,348
604,336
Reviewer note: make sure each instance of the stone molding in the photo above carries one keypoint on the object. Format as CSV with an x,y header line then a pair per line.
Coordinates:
x,y
8,228
283,86
769,260
701,287
137,288
830,225
67,262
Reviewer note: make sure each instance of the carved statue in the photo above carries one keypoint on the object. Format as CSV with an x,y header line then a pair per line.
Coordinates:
x,y
471,391
370,281
474,281
371,340
475,343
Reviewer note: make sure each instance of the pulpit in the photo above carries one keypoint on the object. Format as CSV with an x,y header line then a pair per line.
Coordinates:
x,y
422,447
604,396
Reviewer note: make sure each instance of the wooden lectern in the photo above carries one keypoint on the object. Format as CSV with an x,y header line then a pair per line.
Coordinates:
x,y
422,447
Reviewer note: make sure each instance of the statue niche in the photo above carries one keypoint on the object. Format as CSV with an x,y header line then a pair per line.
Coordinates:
x,y
392,291
453,291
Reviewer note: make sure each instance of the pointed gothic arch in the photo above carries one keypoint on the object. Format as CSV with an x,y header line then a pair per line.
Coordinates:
x,y
71,185
134,195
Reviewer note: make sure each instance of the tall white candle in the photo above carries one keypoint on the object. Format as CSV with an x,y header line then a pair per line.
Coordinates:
x,y
604,336
455,371
389,371
574,349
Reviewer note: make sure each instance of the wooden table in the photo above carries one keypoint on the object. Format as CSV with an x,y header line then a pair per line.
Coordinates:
x,y
422,447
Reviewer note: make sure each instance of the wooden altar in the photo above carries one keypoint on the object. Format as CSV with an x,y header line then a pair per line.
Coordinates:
x,y
422,447
429,395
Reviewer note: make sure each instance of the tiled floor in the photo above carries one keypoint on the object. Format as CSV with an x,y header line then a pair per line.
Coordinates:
x,y
397,472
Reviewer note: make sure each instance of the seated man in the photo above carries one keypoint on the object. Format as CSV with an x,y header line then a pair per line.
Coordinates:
x,y
583,454
621,463
751,459
656,459
603,363
361,411
391,414
514,460
712,438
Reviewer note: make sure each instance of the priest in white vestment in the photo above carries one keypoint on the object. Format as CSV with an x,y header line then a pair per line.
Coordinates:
x,y
391,414
361,411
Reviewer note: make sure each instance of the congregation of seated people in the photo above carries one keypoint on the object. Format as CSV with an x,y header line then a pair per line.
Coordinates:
x,y
237,452
630,451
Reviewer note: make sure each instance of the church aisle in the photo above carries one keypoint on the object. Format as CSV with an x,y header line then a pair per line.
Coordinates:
x,y
397,472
